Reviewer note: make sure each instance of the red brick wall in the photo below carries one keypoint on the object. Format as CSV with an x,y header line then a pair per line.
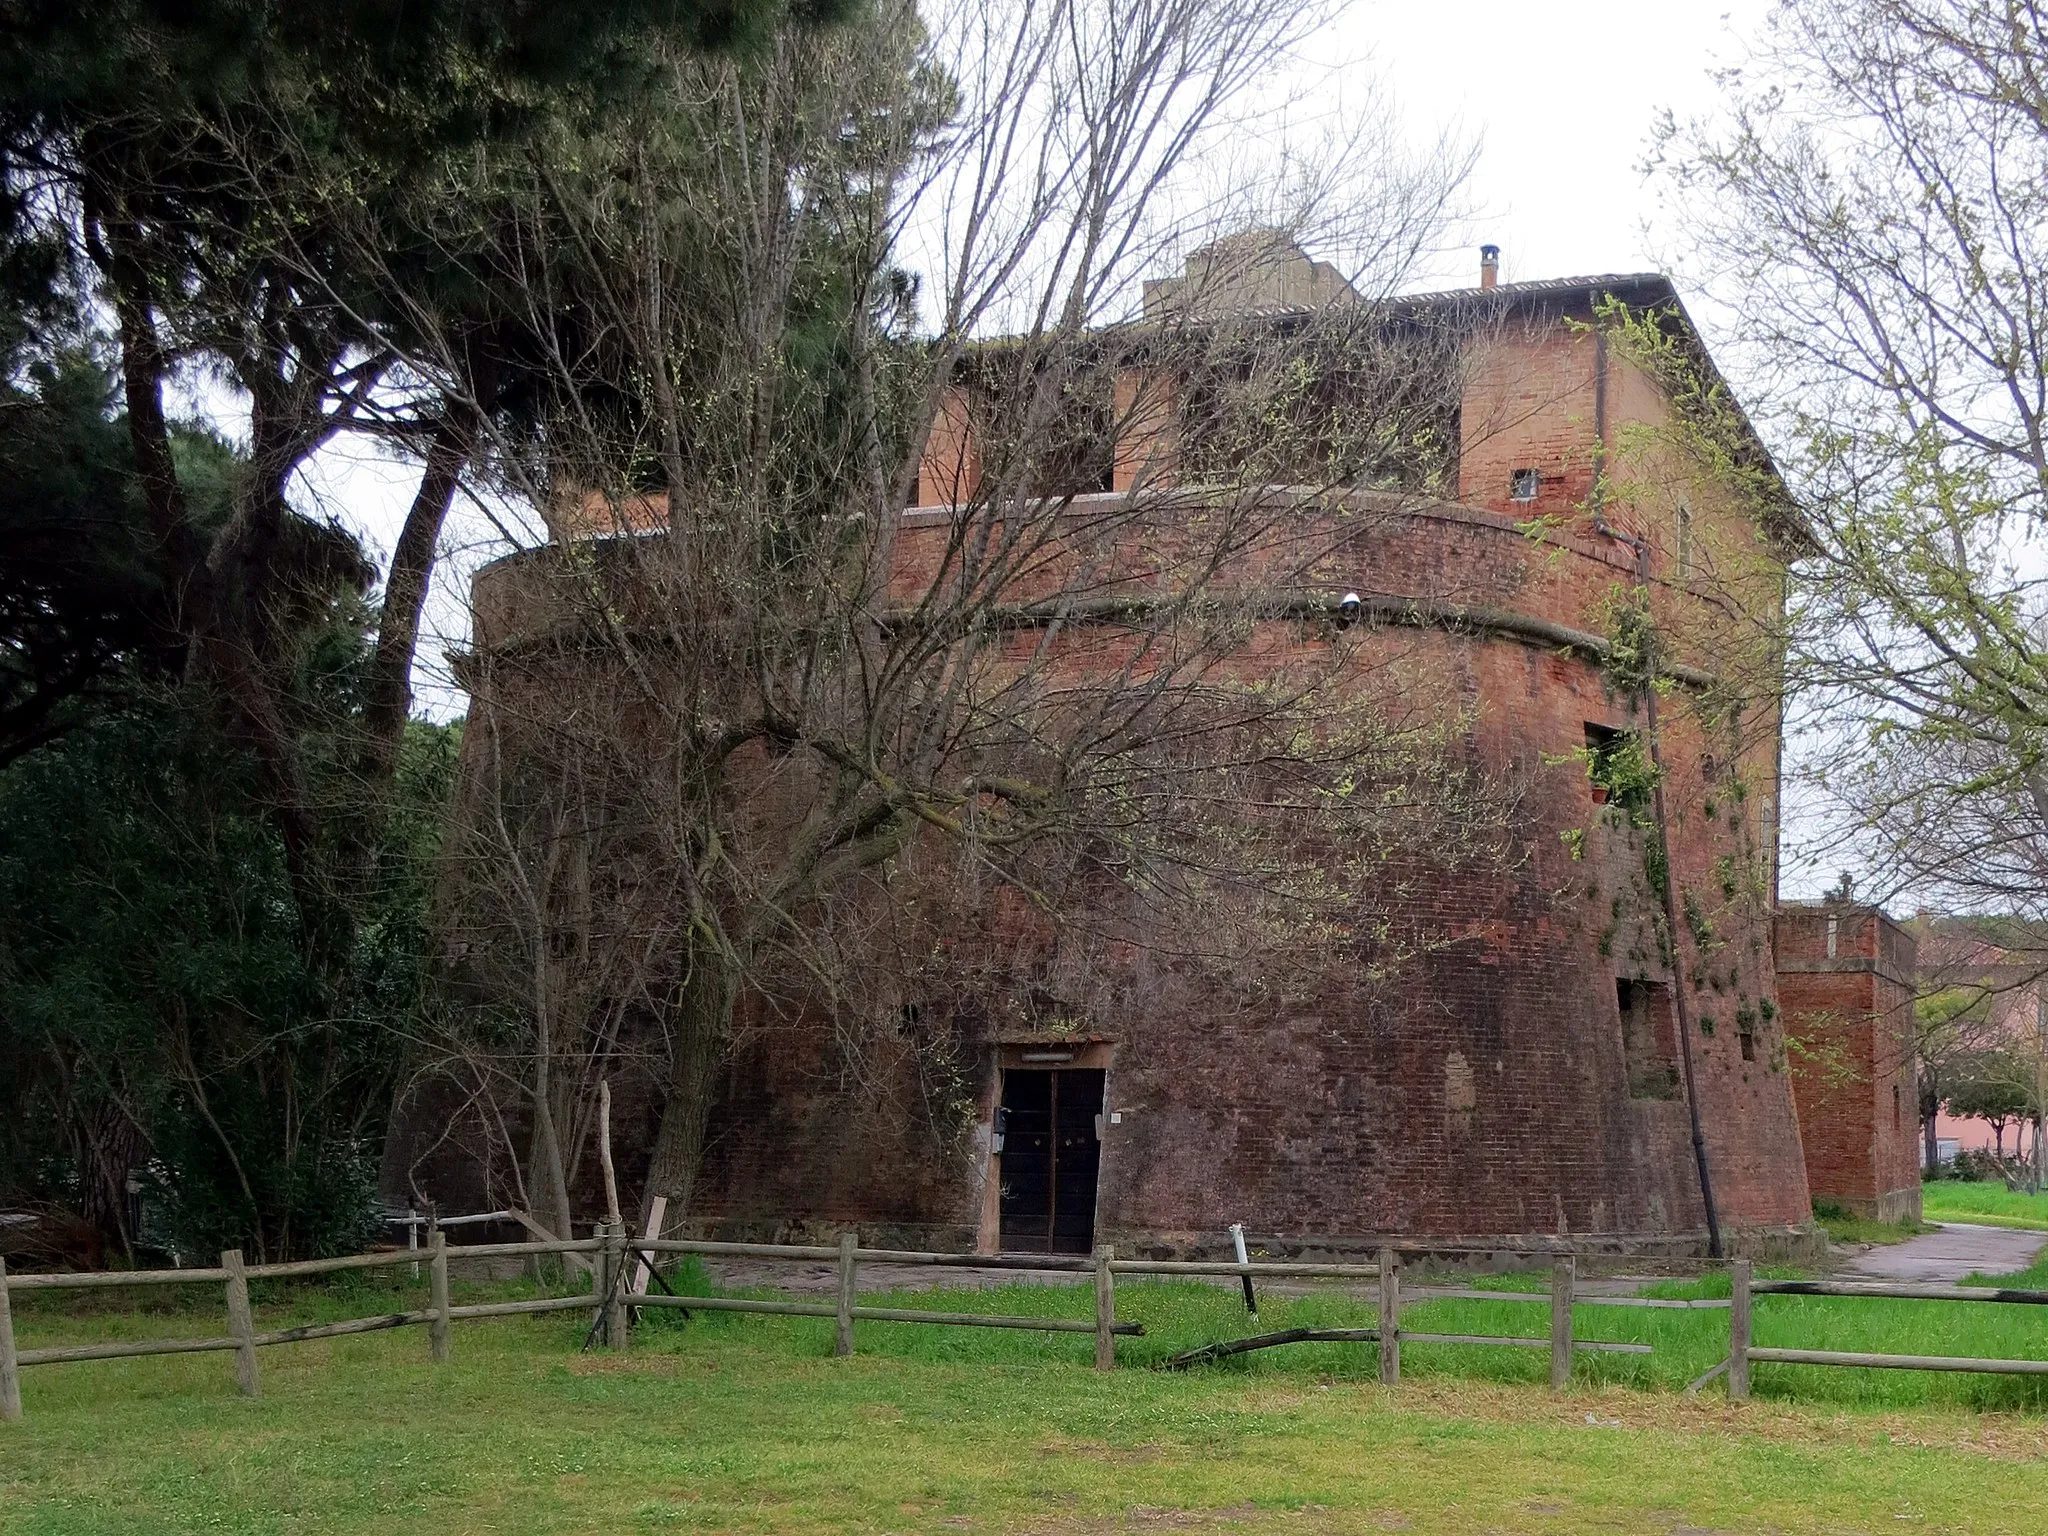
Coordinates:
x,y
1530,403
1342,1115
1849,1003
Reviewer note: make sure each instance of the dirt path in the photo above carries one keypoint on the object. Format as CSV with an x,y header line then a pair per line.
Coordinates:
x,y
1943,1257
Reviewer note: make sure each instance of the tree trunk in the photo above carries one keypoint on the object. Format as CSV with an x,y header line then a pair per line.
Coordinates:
x,y
549,1174
388,696
1933,1148
703,1025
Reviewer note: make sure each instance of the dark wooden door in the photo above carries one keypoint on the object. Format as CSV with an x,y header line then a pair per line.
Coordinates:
x,y
1051,1155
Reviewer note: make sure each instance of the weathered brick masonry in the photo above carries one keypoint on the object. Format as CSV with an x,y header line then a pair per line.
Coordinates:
x,y
1521,1078
1846,987
1491,1097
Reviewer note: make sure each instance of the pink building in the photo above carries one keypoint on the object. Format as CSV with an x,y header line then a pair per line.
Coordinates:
x,y
2002,995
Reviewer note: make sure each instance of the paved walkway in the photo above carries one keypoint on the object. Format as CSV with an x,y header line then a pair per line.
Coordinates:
x,y
1943,1257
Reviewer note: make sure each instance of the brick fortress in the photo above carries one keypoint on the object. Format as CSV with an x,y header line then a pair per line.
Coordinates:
x,y
1524,1076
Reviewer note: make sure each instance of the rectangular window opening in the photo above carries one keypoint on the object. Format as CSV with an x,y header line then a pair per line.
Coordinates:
x,y
1649,1039
1523,484
1747,1037
1618,767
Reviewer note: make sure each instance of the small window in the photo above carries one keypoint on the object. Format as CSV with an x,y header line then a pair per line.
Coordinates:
x,y
1684,539
1747,1036
1895,1107
1618,767
1649,1042
1523,484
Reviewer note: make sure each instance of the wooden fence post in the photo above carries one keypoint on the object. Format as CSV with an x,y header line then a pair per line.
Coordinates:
x,y
438,1325
600,1277
241,1323
1563,1285
1105,1309
1390,1316
10,1368
842,1342
1738,1331
615,1285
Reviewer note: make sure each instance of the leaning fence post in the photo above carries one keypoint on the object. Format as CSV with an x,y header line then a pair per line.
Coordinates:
x,y
437,1325
1738,1331
1563,1284
842,1343
1105,1309
241,1323
615,1285
10,1368
1390,1316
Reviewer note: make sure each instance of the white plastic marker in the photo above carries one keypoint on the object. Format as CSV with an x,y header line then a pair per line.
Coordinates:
x,y
1251,1302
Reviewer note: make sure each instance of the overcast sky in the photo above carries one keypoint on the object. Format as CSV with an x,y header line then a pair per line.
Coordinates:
x,y
1562,96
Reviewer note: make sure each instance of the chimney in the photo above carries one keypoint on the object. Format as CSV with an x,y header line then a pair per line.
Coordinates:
x,y
1489,266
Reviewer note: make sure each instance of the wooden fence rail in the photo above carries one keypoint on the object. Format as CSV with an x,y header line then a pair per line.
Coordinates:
x,y
1742,1353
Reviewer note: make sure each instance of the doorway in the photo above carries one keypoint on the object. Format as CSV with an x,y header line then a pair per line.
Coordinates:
x,y
1051,1153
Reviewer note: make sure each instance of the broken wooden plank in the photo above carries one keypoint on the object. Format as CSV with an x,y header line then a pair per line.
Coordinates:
x,y
573,1260
1210,1352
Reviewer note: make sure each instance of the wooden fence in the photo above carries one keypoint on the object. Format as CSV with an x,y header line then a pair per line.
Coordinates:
x,y
613,1257
1742,1353
611,1298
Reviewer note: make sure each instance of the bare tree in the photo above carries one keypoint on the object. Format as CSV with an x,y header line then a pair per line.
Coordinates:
x,y
1876,194
893,545
1874,202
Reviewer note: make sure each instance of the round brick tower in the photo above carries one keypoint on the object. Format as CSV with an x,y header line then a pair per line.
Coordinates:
x,y
1522,1075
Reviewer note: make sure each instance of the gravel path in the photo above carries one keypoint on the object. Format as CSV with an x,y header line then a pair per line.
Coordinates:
x,y
1943,1257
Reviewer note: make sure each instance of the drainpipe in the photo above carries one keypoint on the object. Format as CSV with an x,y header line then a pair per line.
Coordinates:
x,y
1641,546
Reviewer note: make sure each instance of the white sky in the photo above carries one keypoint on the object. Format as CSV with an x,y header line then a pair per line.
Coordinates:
x,y
1561,97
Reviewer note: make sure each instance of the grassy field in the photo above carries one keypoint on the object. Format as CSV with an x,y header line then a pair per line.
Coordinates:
x,y
1992,1205
746,1424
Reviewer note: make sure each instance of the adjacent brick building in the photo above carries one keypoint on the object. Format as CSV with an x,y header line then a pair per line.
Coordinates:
x,y
1846,986
1523,1074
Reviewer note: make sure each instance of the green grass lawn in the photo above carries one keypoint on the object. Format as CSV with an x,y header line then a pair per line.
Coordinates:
x,y
1992,1205
738,1423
